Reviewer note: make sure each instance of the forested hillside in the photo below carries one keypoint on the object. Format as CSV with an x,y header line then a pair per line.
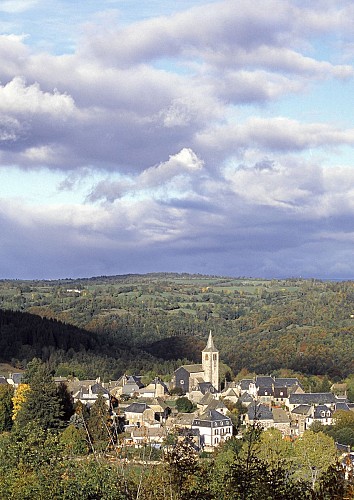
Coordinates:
x,y
260,325
69,350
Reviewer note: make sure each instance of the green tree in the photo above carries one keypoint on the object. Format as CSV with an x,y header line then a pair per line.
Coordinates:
x,y
74,440
314,454
273,449
6,407
42,404
99,424
184,405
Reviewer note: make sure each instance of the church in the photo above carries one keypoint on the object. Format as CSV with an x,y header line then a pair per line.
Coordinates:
x,y
202,377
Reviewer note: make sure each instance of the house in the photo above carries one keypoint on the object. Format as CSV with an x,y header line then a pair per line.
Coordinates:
x,y
322,414
265,395
298,418
247,385
132,386
230,394
246,399
140,414
209,403
14,379
180,421
269,390
259,414
161,409
86,391
281,421
214,428
156,389
313,399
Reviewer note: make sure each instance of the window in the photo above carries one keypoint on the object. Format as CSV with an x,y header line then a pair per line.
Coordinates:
x,y
182,382
206,357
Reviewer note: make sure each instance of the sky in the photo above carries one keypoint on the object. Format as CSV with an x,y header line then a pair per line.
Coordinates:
x,y
211,137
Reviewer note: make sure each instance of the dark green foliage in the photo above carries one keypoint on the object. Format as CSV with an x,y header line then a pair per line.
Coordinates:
x,y
99,425
184,405
46,404
6,406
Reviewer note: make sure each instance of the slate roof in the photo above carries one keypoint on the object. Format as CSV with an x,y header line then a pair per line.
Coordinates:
x,y
193,368
285,382
246,398
206,387
245,383
216,405
322,408
207,418
230,392
264,381
301,410
134,379
206,399
280,416
261,412
313,398
137,408
98,389
265,391
3,380
342,406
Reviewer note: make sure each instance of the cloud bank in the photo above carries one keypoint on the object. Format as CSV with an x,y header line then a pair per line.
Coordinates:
x,y
209,139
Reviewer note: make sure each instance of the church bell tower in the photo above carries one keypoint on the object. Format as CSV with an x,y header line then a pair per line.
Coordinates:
x,y
210,363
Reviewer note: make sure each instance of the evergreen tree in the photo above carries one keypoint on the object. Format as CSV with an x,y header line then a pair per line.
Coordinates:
x,y
6,407
42,405
99,424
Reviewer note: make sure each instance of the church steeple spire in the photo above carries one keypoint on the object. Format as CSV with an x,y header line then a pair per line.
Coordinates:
x,y
210,344
210,362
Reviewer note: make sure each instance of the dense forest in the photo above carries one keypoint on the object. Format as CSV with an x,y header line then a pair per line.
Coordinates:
x,y
153,322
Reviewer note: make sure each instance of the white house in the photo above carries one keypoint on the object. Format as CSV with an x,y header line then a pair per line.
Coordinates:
x,y
214,428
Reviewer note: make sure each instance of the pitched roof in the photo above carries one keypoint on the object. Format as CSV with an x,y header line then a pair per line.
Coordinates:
x,y
137,408
193,368
210,416
98,389
245,383
321,408
285,382
264,381
246,398
280,416
342,406
301,410
265,391
206,387
260,412
280,392
315,398
207,399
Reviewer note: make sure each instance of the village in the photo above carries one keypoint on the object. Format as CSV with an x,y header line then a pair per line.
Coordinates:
x,y
148,414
